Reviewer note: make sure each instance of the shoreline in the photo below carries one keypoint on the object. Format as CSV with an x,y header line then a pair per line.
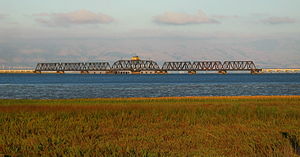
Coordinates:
x,y
180,97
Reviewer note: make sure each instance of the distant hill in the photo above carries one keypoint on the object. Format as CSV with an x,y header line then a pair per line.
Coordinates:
x,y
265,52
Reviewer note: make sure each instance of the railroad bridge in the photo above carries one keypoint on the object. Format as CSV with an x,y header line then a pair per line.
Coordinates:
x,y
138,66
82,67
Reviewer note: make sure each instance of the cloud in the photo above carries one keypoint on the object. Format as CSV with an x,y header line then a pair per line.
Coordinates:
x,y
279,20
226,17
173,18
79,17
260,14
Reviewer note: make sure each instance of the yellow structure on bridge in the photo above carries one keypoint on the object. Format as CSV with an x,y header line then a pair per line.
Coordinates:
x,y
135,58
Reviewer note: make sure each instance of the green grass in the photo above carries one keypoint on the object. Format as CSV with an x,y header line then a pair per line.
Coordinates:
x,y
194,126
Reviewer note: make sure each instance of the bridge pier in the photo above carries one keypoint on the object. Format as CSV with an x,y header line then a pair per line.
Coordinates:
x,y
161,72
110,72
84,72
256,71
222,72
135,72
192,72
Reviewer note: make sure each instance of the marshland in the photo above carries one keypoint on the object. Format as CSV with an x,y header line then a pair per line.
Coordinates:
x,y
167,126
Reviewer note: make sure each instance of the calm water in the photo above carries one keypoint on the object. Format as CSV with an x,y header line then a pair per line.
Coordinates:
x,y
53,86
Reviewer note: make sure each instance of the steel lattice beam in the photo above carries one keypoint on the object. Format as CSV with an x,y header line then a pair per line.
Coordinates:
x,y
95,66
135,65
177,66
207,66
238,65
149,65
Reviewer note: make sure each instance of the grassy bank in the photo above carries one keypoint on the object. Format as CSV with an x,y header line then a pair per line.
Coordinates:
x,y
195,126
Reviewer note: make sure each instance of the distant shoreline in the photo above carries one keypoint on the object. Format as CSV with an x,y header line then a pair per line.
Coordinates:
x,y
177,98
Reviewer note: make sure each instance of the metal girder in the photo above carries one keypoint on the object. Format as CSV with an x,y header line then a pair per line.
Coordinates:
x,y
149,65
177,66
238,65
135,65
207,65
97,66
89,66
47,67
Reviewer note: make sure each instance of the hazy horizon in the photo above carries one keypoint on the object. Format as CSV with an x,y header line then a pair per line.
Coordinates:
x,y
266,32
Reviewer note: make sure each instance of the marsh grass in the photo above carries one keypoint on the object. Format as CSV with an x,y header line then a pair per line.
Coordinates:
x,y
179,126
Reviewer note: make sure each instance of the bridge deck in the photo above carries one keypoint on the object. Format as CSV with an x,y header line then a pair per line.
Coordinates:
x,y
148,66
16,71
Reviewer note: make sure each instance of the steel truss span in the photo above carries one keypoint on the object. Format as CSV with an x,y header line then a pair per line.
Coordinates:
x,y
177,66
207,66
135,65
89,66
140,66
239,65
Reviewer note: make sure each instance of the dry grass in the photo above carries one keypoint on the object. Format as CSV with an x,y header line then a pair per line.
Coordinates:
x,y
181,126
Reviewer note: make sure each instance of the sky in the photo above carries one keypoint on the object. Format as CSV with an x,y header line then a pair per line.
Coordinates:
x,y
267,32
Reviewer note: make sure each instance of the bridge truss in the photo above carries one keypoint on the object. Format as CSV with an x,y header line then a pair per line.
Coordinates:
x,y
135,66
140,66
238,65
207,66
61,67
177,66
211,66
